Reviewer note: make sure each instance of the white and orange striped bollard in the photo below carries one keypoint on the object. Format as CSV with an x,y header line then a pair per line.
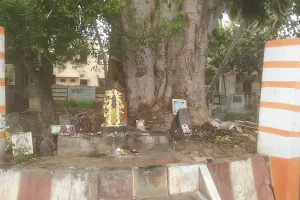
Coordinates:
x,y
2,80
2,94
279,120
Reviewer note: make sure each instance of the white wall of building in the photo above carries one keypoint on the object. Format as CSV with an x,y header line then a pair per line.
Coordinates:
x,y
76,74
230,84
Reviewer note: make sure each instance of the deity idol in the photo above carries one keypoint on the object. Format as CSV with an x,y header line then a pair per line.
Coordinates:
x,y
113,108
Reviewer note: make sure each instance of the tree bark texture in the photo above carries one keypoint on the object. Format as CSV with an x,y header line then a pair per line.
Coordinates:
x,y
105,63
42,80
179,73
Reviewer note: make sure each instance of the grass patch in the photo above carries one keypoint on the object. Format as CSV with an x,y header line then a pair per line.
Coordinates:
x,y
239,116
75,104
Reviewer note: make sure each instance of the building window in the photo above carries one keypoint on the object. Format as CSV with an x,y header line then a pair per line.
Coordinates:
x,y
81,75
62,80
83,82
72,80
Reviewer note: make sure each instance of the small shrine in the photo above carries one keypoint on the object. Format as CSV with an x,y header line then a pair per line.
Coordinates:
x,y
113,112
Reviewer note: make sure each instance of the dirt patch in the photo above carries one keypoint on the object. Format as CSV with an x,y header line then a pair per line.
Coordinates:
x,y
208,141
95,155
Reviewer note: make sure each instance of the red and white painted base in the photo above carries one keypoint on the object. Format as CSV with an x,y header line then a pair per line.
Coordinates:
x,y
279,121
2,80
243,179
2,95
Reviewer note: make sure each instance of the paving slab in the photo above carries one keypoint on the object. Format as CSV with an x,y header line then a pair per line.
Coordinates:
x,y
151,181
115,183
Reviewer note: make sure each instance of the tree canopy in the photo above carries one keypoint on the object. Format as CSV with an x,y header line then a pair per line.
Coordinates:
x,y
162,43
58,29
44,33
247,55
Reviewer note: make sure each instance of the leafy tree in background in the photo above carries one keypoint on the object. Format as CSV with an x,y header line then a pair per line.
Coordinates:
x,y
42,34
268,15
163,44
246,57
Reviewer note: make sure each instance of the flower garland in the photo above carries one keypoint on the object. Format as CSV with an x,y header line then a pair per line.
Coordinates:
x,y
110,94
117,96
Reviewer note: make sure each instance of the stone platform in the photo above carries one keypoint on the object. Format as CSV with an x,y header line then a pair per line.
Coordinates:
x,y
92,144
155,175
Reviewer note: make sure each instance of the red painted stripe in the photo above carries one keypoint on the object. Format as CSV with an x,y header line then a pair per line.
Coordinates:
x,y
2,109
35,185
281,84
285,178
281,64
261,178
221,176
281,106
2,81
282,43
280,132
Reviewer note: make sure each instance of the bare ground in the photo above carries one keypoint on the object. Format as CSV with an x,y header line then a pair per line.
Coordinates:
x,y
208,141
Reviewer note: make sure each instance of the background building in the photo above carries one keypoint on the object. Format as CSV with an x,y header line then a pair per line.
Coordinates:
x,y
86,71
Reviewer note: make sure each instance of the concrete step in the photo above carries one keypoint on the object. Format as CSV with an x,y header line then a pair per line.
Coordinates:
x,y
91,144
236,179
184,196
147,140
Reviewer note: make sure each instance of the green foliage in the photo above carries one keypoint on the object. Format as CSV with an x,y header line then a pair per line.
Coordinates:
x,y
248,116
262,12
75,104
9,144
264,18
21,156
248,54
47,27
291,27
56,29
209,75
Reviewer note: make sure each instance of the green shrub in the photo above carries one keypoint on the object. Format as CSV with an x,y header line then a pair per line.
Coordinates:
x,y
20,155
75,104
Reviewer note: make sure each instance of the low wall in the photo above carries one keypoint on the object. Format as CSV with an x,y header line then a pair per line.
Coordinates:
x,y
243,179
87,144
83,145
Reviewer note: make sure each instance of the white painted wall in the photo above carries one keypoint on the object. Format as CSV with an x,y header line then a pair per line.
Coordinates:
x,y
230,83
90,72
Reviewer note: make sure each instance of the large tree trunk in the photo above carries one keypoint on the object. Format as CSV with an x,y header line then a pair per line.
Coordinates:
x,y
42,80
179,73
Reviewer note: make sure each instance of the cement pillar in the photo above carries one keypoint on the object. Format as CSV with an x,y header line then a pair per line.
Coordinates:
x,y
2,94
279,120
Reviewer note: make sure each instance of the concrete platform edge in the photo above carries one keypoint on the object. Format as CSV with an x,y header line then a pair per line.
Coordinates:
x,y
225,179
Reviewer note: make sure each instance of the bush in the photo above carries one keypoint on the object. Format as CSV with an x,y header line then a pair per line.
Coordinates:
x,y
20,155
75,104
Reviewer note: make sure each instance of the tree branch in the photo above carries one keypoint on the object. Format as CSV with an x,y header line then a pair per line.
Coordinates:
x,y
226,58
102,50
